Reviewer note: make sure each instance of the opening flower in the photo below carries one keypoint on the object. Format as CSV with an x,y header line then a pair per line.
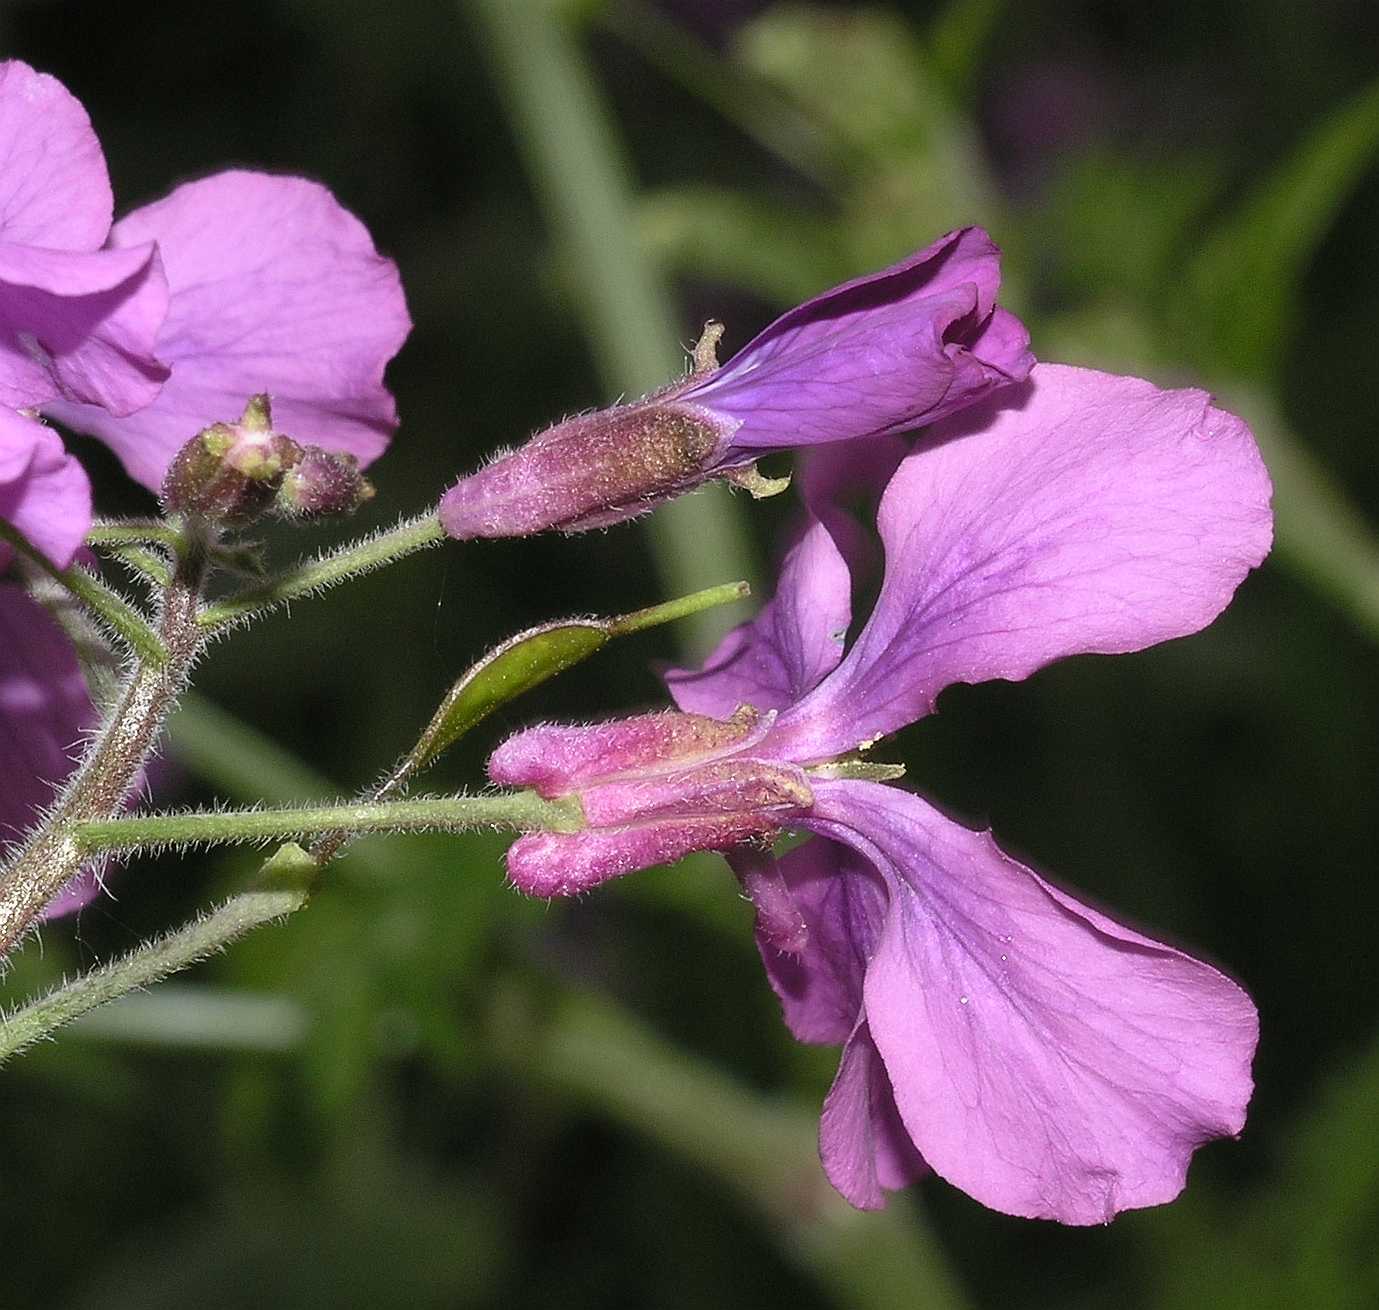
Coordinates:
x,y
1031,1050
881,354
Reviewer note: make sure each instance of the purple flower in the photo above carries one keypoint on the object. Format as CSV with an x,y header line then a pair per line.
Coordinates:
x,y
143,334
881,354
146,332
1029,1049
273,288
44,705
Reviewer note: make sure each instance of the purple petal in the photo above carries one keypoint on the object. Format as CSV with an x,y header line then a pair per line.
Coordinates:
x,y
54,188
1096,514
43,490
863,1144
275,288
789,648
1045,1059
44,710
80,892
80,327
883,353
842,902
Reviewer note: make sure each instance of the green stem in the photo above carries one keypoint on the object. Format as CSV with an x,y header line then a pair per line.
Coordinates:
x,y
50,857
283,887
523,810
375,552
682,607
133,532
107,604
581,177
148,565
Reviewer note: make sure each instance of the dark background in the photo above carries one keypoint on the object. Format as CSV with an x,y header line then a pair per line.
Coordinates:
x,y
424,1091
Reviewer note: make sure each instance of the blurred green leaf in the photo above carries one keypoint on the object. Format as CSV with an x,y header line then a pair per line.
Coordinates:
x,y
1310,1234
1111,223
764,1150
754,242
861,73
741,98
1244,282
958,41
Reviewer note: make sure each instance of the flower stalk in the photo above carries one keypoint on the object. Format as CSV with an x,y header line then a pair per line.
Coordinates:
x,y
283,887
523,811
410,536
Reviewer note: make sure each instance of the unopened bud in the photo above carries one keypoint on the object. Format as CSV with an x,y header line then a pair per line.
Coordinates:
x,y
589,471
231,471
323,482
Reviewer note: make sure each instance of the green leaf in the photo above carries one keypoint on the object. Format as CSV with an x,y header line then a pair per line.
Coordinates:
x,y
531,658
1244,282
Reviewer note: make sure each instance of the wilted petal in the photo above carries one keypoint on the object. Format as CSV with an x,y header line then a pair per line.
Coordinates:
x,y
794,642
54,188
1045,1059
865,1148
44,709
80,327
43,490
275,288
1089,513
883,353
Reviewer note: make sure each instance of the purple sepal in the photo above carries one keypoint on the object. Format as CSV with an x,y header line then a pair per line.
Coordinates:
x,y
588,472
557,759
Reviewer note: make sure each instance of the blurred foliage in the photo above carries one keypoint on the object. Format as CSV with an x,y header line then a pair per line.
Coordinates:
x,y
426,1091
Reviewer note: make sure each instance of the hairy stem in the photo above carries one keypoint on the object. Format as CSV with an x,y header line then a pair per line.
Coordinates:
x,y
523,810
51,856
133,532
375,552
283,886
107,604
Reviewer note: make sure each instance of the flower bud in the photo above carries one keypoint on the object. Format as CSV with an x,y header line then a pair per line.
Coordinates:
x,y
231,471
589,471
323,482
652,789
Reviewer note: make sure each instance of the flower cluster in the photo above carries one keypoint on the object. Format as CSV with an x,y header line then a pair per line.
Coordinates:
x,y
142,333
1045,1058
1025,1046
